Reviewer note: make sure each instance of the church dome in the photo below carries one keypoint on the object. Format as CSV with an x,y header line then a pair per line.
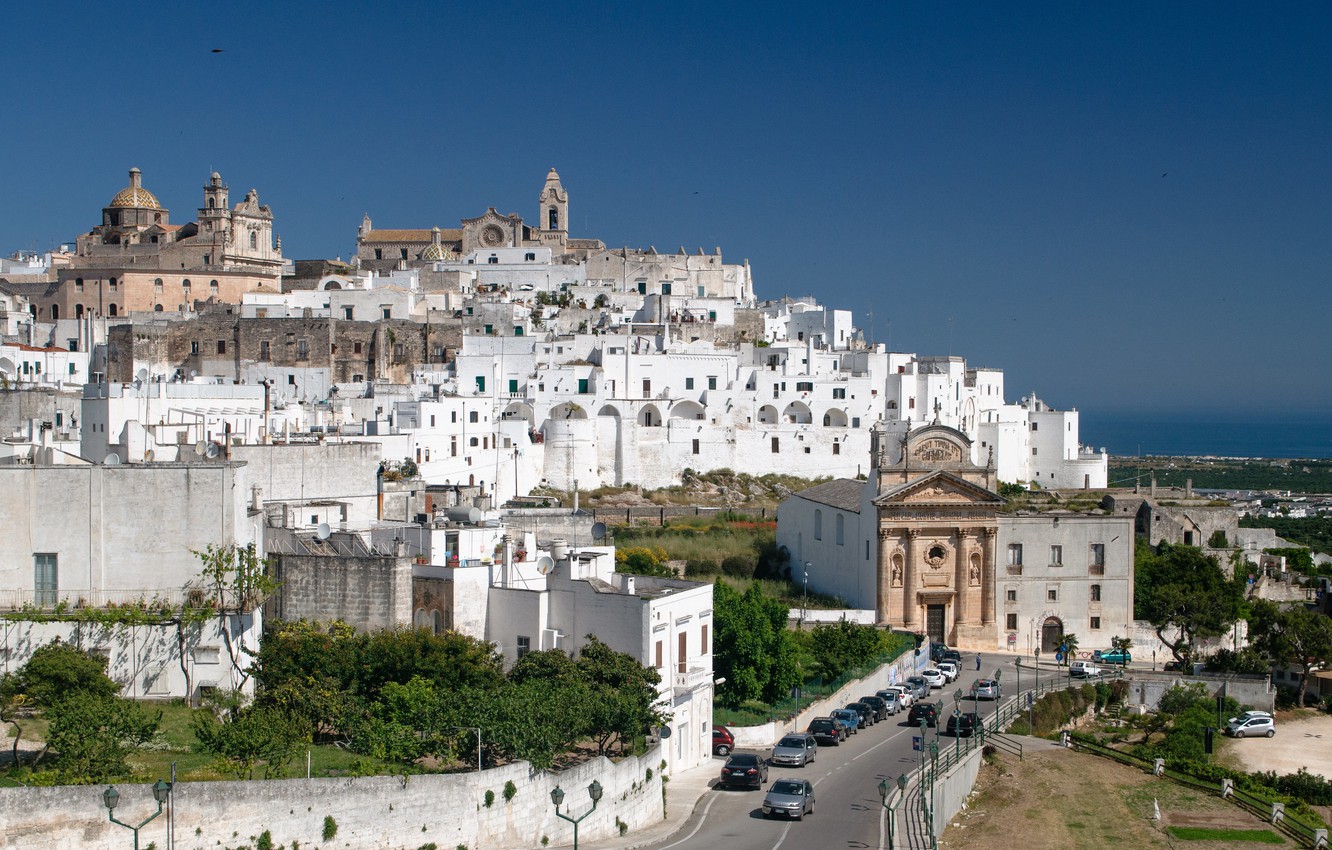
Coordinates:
x,y
436,250
134,195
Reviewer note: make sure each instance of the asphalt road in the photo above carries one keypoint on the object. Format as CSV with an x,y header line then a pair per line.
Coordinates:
x,y
847,810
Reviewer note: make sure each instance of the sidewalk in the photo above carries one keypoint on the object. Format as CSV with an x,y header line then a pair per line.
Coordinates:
x,y
683,793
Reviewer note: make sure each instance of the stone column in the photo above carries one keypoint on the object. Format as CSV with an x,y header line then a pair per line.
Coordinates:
x,y
961,608
987,578
909,580
883,586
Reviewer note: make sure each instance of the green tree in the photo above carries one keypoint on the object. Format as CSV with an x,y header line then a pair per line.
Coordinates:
x,y
12,701
58,670
622,693
1185,594
92,734
838,647
752,649
1069,646
254,735
238,580
1295,636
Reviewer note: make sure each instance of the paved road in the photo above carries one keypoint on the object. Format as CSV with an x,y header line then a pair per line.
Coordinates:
x,y
848,812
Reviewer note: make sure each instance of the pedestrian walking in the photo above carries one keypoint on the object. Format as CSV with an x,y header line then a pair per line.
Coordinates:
x,y
978,663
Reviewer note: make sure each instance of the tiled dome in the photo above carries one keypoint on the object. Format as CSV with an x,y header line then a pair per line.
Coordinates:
x,y
134,195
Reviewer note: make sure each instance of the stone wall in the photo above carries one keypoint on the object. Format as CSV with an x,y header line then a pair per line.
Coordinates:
x,y
368,592
389,812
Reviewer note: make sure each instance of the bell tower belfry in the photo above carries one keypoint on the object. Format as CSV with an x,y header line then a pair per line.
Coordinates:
x,y
554,203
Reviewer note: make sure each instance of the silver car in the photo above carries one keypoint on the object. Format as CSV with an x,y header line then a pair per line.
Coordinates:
x,y
985,689
797,750
893,698
793,798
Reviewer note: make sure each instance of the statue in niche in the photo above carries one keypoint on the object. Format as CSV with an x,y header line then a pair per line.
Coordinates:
x,y
975,571
897,571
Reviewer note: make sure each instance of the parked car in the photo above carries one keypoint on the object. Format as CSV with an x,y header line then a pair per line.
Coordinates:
x,y
985,689
1172,666
954,656
826,730
744,769
936,678
1249,725
798,749
949,669
722,741
865,710
1080,669
1114,656
905,695
792,798
879,704
964,724
892,698
920,688
927,711
850,718
937,651
1253,712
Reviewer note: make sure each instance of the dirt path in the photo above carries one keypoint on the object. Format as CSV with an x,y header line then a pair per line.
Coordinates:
x,y
1058,799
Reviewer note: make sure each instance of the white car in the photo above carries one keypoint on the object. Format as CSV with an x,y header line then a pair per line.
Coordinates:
x,y
936,678
904,695
1252,724
949,669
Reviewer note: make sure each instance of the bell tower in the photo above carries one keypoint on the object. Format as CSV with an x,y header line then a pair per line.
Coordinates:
x,y
554,204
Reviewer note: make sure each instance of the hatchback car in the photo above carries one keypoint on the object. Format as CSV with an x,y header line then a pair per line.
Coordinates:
x,y
920,688
892,698
744,769
963,724
795,749
927,711
905,695
949,669
826,730
936,678
879,704
954,656
937,651
850,719
1251,725
865,710
1114,656
722,741
792,798
985,689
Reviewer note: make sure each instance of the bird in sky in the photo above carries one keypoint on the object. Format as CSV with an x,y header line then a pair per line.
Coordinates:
x,y
217,50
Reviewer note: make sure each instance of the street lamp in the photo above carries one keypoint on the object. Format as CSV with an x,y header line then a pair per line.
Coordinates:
x,y
923,727
111,798
934,778
998,696
557,797
804,604
884,790
957,713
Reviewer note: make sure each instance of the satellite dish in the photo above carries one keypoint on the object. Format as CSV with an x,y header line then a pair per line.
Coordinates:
x,y
148,456
212,451
200,448
599,533
323,531
142,375
545,564
664,732
112,459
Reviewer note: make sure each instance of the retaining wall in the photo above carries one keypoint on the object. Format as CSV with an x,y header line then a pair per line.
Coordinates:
x,y
388,812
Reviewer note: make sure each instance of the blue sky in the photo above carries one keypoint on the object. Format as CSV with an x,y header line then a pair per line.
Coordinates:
x,y
1126,206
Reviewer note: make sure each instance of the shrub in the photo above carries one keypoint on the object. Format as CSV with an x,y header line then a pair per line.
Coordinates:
x,y
509,791
490,798
330,828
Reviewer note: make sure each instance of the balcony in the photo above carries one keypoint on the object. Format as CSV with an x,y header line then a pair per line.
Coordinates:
x,y
1013,569
1096,569
692,679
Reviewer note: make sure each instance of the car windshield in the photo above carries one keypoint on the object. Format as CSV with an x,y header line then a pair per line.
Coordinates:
x,y
743,761
788,786
793,742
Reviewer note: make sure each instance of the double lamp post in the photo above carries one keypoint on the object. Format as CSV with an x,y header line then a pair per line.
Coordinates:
x,y
557,797
111,797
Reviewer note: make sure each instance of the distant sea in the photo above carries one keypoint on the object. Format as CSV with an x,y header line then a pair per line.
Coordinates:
x,y
1208,434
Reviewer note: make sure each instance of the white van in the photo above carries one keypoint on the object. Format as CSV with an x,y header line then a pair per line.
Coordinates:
x,y
1083,669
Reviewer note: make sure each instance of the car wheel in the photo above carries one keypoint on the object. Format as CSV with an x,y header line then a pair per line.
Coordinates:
x,y
1239,733
723,750
1271,732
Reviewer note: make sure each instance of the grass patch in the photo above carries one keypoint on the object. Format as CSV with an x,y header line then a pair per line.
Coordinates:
x,y
1204,833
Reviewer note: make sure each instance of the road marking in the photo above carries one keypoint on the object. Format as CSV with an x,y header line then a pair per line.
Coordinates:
x,y
786,829
702,819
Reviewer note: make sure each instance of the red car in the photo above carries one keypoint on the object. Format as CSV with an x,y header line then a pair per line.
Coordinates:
x,y
722,741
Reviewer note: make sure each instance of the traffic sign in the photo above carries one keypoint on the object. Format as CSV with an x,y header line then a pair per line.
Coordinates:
x,y
957,712
917,743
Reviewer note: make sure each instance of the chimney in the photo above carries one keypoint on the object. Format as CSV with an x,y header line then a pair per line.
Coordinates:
x,y
1153,490
1188,488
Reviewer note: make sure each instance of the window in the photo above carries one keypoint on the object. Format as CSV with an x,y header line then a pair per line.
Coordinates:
x,y
254,240
302,349
221,346
78,284
838,523
804,386
659,656
1095,593
776,445
111,310
837,448
1052,594
695,446
402,253
1033,426
1010,622
665,288
818,525
1015,554
703,646
642,287
530,257
839,392
45,579
398,349
681,654
379,253
263,350
524,645
494,261
647,388
111,283
1011,594
480,384
702,292
689,383
1098,555
855,421
1033,451
185,285
911,403
157,286
1056,556
212,288
473,416
513,389
1095,623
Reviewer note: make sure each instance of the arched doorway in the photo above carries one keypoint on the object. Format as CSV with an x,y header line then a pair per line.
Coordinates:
x,y
1052,632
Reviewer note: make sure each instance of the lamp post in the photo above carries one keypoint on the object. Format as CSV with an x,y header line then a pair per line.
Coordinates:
x,y
923,727
804,604
957,713
998,696
934,778
557,797
111,798
892,812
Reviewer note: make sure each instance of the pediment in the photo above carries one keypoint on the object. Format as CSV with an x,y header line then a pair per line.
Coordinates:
x,y
939,488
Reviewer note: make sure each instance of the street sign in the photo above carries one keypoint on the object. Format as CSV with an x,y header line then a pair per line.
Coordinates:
x,y
917,743
957,712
